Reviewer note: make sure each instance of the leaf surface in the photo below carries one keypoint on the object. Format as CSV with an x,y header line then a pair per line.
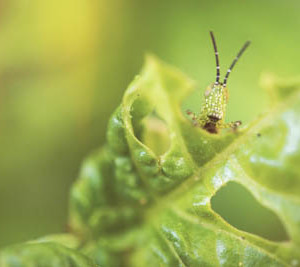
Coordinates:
x,y
43,253
145,197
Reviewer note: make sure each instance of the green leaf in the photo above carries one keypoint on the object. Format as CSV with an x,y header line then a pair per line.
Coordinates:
x,y
43,253
144,198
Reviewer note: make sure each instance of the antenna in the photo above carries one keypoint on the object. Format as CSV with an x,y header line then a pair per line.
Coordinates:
x,y
217,57
235,61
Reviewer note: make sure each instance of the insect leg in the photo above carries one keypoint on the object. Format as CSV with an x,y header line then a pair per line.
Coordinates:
x,y
233,125
193,117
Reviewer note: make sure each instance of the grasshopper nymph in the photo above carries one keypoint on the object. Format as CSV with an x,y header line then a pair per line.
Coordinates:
x,y
213,111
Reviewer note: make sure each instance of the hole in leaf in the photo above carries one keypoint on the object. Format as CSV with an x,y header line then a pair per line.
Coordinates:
x,y
239,208
156,134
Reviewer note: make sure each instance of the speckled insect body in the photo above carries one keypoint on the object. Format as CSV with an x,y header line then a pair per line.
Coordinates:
x,y
214,108
212,116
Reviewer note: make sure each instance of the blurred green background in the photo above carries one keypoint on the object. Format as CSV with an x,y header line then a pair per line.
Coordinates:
x,y
64,65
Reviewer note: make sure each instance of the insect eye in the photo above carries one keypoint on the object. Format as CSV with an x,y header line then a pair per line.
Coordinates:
x,y
208,90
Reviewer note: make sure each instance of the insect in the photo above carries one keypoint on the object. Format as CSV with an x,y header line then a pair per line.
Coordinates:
x,y
213,111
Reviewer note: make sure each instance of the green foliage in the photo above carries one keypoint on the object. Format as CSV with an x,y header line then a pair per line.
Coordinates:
x,y
144,198
43,254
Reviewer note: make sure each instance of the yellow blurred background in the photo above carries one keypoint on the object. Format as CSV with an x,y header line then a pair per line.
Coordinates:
x,y
64,66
